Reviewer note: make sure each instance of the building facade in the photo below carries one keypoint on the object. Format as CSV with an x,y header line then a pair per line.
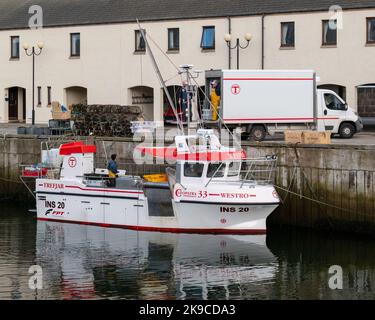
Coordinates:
x,y
102,60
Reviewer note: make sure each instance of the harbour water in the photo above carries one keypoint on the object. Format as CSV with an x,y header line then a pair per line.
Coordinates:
x,y
88,262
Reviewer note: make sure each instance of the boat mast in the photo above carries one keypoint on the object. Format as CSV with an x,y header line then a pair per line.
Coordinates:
x,y
158,73
191,93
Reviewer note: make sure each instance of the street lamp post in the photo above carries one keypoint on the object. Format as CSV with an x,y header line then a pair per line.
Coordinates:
x,y
33,53
238,46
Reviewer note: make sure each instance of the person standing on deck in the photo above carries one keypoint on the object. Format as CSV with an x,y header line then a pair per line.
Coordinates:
x,y
112,169
215,99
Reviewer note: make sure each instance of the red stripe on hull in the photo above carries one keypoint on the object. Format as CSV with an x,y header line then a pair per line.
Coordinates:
x,y
103,190
169,230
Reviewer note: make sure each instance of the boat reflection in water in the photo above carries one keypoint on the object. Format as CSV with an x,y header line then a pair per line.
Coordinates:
x,y
86,262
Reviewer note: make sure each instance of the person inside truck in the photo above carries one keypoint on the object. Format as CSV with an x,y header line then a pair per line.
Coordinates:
x,y
333,103
215,99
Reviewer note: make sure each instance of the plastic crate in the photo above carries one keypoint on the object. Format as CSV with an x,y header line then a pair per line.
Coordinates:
x,y
156,177
207,114
31,172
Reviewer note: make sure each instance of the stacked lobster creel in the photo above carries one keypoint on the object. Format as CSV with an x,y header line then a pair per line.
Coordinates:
x,y
105,120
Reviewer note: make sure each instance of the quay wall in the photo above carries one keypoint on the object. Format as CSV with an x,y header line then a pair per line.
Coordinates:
x,y
336,182
331,186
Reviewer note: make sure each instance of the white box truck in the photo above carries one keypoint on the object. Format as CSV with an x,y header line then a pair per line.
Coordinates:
x,y
262,102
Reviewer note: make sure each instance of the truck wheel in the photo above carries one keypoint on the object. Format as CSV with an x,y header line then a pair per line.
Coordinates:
x,y
347,131
258,133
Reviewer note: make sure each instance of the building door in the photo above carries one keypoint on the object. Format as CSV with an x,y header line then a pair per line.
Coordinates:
x,y
13,103
24,105
366,101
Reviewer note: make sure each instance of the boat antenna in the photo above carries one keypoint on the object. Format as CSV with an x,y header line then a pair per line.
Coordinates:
x,y
160,77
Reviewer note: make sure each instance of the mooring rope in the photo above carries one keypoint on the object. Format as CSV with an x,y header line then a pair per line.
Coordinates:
x,y
10,180
319,201
297,164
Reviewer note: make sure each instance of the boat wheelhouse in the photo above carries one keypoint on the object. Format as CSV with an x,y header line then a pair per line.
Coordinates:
x,y
216,188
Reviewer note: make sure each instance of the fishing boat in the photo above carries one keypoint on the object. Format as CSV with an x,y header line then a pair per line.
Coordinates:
x,y
208,190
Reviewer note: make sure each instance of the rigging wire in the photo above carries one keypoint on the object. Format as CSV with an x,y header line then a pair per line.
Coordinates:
x,y
200,122
160,77
161,50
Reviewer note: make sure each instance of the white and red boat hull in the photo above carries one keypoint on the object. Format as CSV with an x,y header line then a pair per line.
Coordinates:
x,y
73,202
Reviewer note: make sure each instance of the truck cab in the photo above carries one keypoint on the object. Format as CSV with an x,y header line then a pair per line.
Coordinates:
x,y
336,116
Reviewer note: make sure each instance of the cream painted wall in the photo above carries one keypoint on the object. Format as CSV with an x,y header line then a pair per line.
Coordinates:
x,y
108,66
350,64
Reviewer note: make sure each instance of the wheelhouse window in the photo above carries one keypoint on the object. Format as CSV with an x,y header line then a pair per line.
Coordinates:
x,y
193,170
287,34
173,39
208,38
216,170
329,33
334,103
15,47
233,169
370,30
75,44
140,45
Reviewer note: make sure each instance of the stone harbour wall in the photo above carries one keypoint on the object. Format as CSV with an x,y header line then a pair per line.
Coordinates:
x,y
331,186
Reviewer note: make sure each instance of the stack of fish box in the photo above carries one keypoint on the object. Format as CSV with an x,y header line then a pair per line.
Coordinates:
x,y
58,113
315,137
307,137
293,136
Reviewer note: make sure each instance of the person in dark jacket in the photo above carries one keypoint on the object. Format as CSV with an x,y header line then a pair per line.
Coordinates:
x,y
112,170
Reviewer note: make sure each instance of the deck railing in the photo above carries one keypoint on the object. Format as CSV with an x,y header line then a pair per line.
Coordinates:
x,y
259,170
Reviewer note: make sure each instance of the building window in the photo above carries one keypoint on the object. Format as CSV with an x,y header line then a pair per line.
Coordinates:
x,y
208,38
39,96
75,44
49,96
15,47
140,45
287,34
329,33
174,39
370,30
